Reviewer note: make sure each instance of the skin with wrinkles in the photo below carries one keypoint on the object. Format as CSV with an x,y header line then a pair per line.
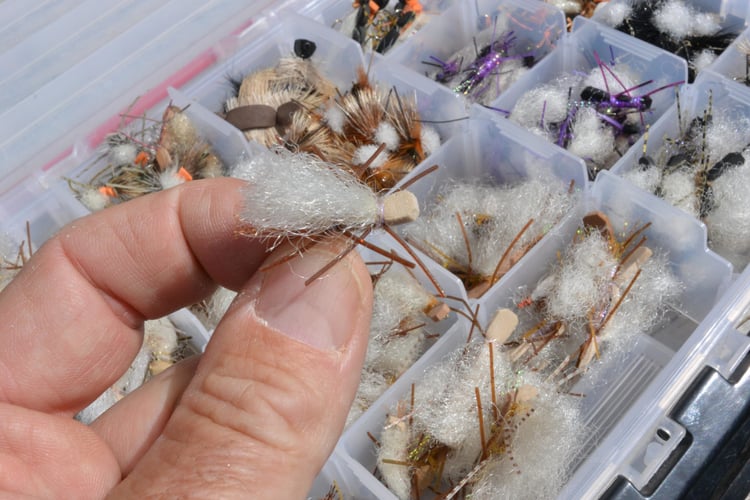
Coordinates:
x,y
265,402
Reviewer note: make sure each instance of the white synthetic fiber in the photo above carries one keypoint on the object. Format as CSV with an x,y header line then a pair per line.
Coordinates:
x,y
546,433
655,291
540,132
397,295
725,134
371,385
123,154
8,253
502,78
335,118
399,352
678,188
430,139
137,371
703,60
729,221
439,229
398,305
218,304
169,178
513,199
393,354
615,13
162,340
679,20
160,336
104,402
543,447
592,139
8,248
387,134
647,179
581,279
93,199
439,225
570,7
394,442
547,108
579,282
211,310
551,98
295,194
363,154
582,282
445,406
674,18
517,69
542,437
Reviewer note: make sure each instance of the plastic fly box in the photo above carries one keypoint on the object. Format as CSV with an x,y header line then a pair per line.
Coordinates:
x,y
83,77
636,431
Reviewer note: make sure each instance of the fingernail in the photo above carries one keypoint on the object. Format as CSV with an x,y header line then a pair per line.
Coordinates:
x,y
322,314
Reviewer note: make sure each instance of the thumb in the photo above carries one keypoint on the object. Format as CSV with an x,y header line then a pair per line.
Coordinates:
x,y
272,391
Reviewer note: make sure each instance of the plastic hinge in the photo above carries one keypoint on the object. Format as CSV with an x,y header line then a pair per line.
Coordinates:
x,y
727,354
652,454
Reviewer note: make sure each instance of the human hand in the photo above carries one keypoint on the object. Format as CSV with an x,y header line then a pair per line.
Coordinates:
x,y
255,416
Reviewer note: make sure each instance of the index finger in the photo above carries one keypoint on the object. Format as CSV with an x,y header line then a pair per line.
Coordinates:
x,y
74,314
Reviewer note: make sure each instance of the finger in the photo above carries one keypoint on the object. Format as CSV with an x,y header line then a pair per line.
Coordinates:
x,y
131,426
272,391
77,307
46,456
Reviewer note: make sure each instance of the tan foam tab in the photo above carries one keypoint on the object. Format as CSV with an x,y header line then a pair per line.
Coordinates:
x,y
400,207
502,326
